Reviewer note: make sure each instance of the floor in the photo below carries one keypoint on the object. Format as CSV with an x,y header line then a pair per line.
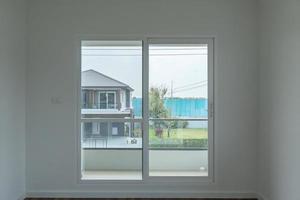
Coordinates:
x,y
135,175
131,199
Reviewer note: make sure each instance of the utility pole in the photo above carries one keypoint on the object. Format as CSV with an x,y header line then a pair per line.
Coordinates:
x,y
171,109
172,89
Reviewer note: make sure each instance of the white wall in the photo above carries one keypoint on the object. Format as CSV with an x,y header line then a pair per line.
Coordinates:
x,y
54,25
279,99
12,98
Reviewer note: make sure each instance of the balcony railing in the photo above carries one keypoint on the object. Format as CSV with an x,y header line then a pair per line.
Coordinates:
x,y
126,133
98,106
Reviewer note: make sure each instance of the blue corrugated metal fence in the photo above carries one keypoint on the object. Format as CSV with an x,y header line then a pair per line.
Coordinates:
x,y
179,107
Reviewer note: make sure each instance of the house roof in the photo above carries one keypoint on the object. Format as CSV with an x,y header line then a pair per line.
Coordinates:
x,y
92,78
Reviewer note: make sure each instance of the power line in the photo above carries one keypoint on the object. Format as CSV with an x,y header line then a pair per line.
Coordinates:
x,y
191,84
188,89
191,88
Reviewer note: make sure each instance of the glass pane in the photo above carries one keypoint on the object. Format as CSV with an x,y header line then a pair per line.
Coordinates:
x,y
102,100
179,148
111,100
111,153
178,107
111,82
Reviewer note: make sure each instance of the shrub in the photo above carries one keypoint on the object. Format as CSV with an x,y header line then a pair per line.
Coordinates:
x,y
179,143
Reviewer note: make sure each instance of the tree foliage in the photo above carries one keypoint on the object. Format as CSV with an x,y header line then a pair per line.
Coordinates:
x,y
157,109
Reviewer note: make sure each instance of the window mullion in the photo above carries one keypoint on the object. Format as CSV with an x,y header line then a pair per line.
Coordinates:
x,y
145,107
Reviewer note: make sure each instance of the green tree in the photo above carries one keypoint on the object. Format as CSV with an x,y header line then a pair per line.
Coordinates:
x,y
157,108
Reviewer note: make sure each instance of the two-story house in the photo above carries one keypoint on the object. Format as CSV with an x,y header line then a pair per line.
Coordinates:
x,y
105,97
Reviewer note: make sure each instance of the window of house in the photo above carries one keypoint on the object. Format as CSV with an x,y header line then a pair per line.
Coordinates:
x,y
102,100
147,109
111,101
105,100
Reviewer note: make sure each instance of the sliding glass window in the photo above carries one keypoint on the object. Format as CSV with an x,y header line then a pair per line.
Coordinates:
x,y
174,119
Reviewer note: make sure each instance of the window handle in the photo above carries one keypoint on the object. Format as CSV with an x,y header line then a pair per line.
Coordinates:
x,y
211,109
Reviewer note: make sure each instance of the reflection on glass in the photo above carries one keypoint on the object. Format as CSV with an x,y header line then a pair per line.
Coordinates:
x,y
178,126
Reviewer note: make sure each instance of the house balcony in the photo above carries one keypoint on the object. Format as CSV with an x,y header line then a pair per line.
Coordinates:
x,y
108,109
95,111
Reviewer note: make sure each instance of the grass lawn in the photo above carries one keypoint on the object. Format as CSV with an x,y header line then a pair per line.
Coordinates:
x,y
183,133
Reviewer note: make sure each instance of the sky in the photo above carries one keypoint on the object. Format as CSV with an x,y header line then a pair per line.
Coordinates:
x,y
180,68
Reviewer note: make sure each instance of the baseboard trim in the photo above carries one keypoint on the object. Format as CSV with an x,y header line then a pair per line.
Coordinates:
x,y
261,197
148,194
22,197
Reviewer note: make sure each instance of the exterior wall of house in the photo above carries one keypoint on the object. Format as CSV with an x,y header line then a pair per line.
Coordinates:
x,y
118,99
94,129
128,98
103,129
123,99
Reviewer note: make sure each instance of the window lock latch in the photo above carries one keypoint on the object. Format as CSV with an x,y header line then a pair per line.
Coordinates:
x,y
211,109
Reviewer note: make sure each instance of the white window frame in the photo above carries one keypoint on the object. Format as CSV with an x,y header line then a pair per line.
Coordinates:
x,y
145,120
106,95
